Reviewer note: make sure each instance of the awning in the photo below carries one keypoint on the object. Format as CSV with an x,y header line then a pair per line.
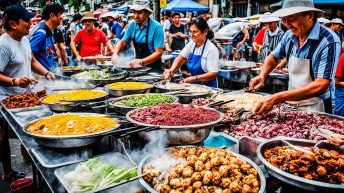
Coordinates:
x,y
184,5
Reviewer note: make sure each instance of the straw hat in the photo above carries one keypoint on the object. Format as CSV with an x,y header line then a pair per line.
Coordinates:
x,y
337,20
139,5
87,16
291,7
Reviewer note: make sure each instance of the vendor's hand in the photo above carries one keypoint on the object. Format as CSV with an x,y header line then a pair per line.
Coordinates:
x,y
238,46
24,81
256,83
135,63
265,106
168,74
337,139
50,76
78,58
190,79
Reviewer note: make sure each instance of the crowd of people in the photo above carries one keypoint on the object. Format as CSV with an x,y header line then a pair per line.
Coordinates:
x,y
295,37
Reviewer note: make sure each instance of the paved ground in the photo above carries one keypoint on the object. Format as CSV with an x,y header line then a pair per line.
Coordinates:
x,y
17,164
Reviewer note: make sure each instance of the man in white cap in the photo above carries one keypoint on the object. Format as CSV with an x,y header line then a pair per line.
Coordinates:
x,y
147,36
337,26
312,53
272,36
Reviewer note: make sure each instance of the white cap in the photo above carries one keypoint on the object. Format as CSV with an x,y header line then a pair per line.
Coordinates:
x,y
266,18
140,5
337,20
323,20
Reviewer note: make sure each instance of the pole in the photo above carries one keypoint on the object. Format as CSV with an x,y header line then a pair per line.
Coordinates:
x,y
157,10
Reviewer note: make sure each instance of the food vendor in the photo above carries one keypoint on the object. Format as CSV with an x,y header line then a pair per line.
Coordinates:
x,y
147,36
312,52
16,65
200,55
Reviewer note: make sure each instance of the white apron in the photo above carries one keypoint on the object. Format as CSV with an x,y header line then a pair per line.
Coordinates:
x,y
299,76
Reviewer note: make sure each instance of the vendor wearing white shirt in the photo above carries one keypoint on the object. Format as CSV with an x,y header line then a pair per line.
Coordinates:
x,y
200,55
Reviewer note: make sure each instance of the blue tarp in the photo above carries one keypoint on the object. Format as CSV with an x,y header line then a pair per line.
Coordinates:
x,y
316,2
122,8
184,5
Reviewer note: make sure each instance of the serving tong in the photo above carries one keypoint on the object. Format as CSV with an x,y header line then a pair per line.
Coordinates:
x,y
297,147
322,132
219,103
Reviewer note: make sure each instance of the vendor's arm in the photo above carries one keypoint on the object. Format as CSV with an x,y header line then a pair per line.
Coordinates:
x,y
201,78
246,37
40,70
281,64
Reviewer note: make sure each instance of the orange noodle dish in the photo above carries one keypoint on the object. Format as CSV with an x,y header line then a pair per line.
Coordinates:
x,y
71,124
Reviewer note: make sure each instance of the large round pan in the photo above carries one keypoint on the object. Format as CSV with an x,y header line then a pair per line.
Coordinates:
x,y
149,158
296,181
124,92
69,141
183,135
120,76
125,109
58,107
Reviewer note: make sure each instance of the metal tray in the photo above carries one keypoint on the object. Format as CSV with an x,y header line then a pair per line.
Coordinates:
x,y
299,182
150,189
124,92
114,157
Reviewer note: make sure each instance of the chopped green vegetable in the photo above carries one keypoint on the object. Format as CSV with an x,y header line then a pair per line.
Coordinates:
x,y
95,174
145,101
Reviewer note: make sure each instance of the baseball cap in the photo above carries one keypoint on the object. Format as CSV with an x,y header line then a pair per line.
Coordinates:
x,y
17,11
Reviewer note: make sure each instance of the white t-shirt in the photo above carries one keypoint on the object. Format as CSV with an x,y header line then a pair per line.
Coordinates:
x,y
15,62
167,25
210,57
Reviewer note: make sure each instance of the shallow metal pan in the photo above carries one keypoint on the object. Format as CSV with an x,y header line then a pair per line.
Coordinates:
x,y
296,181
124,92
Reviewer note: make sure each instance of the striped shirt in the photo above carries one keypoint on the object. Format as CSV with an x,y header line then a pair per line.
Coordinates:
x,y
326,55
271,40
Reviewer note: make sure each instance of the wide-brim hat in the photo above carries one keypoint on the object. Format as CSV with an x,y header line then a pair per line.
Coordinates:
x,y
139,5
337,20
268,18
291,7
88,16
323,20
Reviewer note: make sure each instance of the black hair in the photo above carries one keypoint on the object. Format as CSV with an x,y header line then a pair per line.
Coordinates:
x,y
77,17
53,8
7,25
202,25
176,13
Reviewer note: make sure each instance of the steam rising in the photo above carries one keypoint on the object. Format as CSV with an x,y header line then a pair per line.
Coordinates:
x,y
124,58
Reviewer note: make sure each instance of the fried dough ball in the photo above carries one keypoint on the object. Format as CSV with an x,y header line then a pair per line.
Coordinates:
x,y
188,190
225,182
224,170
308,156
179,169
197,185
176,191
253,172
186,182
196,176
165,188
199,191
208,165
207,177
192,151
246,189
176,183
182,152
203,157
187,172
199,166
190,160
226,191
245,167
216,178
211,155
250,180
215,161
235,187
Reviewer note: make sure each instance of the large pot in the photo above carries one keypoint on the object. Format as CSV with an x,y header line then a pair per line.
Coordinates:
x,y
73,105
182,135
125,92
147,159
70,141
125,109
296,181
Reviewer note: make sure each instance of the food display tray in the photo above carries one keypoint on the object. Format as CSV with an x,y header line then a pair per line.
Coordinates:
x,y
120,160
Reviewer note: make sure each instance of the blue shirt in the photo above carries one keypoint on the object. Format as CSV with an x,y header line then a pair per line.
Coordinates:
x,y
42,45
155,35
326,55
117,30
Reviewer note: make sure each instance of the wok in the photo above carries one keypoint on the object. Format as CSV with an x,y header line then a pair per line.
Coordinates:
x,y
182,135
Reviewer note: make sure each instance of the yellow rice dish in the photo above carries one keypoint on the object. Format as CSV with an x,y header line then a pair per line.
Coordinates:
x,y
71,124
73,95
128,85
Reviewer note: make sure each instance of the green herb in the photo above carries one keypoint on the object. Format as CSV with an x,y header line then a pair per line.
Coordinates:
x,y
145,101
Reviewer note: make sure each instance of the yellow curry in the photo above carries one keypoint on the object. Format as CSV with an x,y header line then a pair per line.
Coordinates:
x,y
128,85
71,124
73,95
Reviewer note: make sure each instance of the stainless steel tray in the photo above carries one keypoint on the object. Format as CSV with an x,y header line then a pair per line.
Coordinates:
x,y
150,189
299,182
124,92
114,157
